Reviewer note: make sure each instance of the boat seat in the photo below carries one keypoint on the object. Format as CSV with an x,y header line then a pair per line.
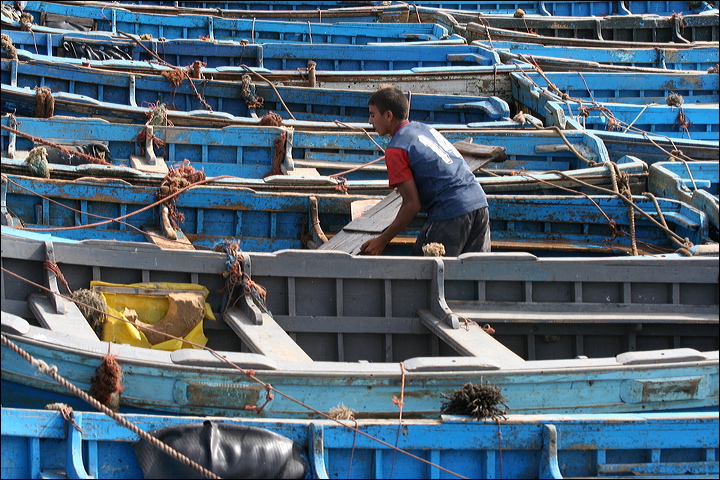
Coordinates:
x,y
529,312
71,323
698,182
268,338
470,340
335,165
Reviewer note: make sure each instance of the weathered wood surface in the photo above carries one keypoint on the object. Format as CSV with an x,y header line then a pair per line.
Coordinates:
x,y
369,225
71,322
267,339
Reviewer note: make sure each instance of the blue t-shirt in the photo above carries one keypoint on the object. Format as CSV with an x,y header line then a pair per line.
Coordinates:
x,y
446,185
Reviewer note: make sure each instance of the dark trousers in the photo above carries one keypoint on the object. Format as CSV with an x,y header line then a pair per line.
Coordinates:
x,y
467,233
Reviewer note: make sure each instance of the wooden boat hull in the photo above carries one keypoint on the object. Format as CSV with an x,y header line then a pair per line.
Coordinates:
x,y
237,102
653,148
588,59
532,446
632,101
109,19
694,183
615,31
313,157
331,314
324,10
270,221
15,99
463,70
693,122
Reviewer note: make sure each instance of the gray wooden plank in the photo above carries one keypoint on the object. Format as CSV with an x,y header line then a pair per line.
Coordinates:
x,y
470,340
267,339
581,313
71,323
365,227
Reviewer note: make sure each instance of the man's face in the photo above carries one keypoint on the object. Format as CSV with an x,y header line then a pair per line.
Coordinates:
x,y
380,121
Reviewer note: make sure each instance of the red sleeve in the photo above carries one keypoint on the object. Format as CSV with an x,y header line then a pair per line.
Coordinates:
x,y
398,166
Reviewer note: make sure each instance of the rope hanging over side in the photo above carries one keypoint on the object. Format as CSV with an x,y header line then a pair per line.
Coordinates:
x,y
106,384
44,102
278,156
178,178
235,276
6,43
247,93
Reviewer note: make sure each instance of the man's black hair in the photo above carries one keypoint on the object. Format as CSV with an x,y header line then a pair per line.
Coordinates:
x,y
393,99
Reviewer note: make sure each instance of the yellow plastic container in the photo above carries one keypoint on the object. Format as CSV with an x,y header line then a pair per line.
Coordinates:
x,y
150,302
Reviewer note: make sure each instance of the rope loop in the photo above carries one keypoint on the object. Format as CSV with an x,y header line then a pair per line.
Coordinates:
x,y
236,276
247,93
53,267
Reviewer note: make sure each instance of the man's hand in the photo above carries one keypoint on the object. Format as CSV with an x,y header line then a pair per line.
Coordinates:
x,y
374,246
409,208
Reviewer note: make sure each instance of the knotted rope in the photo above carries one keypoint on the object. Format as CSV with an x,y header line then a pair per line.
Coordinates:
x,y
247,93
177,179
235,276
44,102
6,43
279,155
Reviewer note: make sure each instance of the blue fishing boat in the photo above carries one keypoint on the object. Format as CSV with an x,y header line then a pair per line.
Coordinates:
x,y
199,217
689,122
630,88
461,70
16,100
330,12
656,148
695,183
298,5
561,216
394,325
474,32
575,9
527,150
529,7
235,101
537,446
56,17
675,105
594,59
270,158
614,31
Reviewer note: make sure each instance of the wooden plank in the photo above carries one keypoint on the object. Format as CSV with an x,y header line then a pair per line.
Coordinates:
x,y
568,312
469,148
157,292
71,323
154,236
365,227
268,339
378,217
470,340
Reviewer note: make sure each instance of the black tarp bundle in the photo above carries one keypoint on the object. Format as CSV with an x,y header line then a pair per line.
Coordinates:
x,y
228,450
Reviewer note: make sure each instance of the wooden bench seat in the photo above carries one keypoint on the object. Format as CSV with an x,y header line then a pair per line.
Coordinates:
x,y
268,339
529,312
71,323
470,340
